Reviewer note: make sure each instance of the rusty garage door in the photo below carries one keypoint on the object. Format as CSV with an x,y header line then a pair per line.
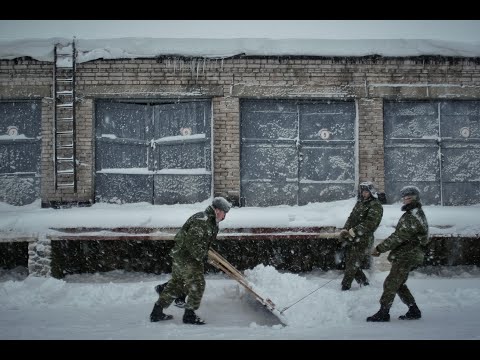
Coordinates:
x,y
20,140
435,146
295,152
157,152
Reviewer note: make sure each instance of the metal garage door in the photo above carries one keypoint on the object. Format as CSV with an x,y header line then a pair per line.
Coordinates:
x,y
436,147
295,152
153,152
20,124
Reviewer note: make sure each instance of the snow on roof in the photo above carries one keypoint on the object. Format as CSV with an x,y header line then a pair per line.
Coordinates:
x,y
130,48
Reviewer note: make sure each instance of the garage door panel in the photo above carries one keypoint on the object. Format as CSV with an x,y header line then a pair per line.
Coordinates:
x,y
413,127
140,142
322,148
410,119
181,189
24,116
274,106
123,120
336,118
460,147
460,121
183,143
414,164
334,108
312,127
269,162
17,157
450,136
269,125
123,188
468,108
328,164
461,127
20,151
411,155
20,189
172,118
323,192
461,193
269,193
183,156
121,155
461,165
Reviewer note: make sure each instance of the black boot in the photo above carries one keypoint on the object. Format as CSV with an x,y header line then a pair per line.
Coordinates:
x,y
345,287
382,315
158,315
159,288
179,302
191,318
413,313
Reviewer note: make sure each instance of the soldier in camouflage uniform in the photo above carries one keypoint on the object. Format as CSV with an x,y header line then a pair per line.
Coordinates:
x,y
407,244
357,234
189,255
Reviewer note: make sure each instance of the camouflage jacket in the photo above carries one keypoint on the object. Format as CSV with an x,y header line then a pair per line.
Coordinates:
x,y
365,218
410,238
194,239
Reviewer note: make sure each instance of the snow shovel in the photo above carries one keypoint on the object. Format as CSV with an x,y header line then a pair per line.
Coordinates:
x,y
222,264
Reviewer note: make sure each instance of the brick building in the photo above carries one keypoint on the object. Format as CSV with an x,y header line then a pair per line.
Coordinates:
x,y
261,130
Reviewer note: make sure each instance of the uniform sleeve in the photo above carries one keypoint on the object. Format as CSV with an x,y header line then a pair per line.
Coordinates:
x,y
371,221
406,230
351,217
196,240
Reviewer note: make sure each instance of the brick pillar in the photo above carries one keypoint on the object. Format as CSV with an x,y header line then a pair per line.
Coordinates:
x,y
226,152
370,142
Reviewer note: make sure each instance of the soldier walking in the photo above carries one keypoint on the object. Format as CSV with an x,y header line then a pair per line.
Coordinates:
x,y
407,244
357,234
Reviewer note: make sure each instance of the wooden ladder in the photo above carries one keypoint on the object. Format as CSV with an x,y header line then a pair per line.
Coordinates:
x,y
64,140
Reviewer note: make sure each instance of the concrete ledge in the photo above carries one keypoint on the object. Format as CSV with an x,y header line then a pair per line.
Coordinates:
x,y
77,250
16,237
165,234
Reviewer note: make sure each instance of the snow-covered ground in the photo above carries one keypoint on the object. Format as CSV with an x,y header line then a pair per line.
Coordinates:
x,y
116,305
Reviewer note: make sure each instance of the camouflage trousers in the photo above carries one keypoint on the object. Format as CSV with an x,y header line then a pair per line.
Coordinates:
x,y
354,256
187,279
395,283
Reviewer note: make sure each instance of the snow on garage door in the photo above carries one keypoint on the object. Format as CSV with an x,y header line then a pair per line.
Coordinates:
x,y
20,123
295,152
436,147
153,152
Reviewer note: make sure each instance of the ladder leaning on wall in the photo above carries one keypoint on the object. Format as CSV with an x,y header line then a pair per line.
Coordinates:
x,y
64,143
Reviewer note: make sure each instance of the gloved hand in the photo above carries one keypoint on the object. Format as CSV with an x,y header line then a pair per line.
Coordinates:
x,y
208,259
344,234
375,252
352,234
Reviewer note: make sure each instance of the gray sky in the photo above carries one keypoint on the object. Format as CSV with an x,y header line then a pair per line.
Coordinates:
x,y
458,30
